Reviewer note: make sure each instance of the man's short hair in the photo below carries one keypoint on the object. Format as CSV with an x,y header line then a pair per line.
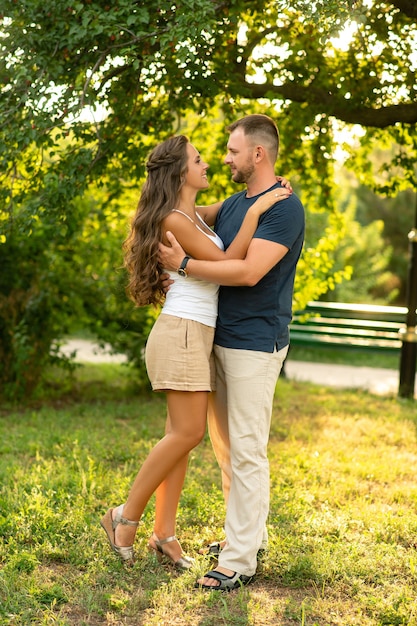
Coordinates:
x,y
263,131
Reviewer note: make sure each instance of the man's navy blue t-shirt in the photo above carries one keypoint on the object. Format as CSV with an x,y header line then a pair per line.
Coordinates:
x,y
257,318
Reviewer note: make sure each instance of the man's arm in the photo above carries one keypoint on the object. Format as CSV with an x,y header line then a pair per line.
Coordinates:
x,y
261,257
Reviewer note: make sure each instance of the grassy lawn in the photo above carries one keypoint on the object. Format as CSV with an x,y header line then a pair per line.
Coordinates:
x,y
340,356
343,520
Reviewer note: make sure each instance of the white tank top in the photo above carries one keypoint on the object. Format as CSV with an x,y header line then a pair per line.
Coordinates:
x,y
192,298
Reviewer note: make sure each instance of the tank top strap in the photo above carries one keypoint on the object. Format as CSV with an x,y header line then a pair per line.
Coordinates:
x,y
182,213
211,234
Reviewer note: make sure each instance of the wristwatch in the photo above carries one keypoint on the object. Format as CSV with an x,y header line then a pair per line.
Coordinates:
x,y
181,270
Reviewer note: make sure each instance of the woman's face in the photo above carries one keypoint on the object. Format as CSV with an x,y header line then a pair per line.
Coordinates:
x,y
196,175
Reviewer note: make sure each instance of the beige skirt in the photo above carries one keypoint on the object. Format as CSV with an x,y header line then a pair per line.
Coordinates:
x,y
179,355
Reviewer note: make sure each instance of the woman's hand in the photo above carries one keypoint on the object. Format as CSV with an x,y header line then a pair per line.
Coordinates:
x,y
284,182
265,201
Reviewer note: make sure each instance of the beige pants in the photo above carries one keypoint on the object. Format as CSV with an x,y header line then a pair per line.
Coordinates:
x,y
239,424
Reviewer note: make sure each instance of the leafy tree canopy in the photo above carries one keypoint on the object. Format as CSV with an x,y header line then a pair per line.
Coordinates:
x,y
144,66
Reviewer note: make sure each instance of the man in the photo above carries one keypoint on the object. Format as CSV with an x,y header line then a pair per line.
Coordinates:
x,y
251,341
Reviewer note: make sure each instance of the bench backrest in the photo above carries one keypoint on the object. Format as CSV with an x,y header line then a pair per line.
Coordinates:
x,y
349,325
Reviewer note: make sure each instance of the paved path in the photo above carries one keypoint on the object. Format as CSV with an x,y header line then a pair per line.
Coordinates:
x,y
378,381
89,352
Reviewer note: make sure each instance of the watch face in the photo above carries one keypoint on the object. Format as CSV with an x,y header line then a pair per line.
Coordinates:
x,y
182,272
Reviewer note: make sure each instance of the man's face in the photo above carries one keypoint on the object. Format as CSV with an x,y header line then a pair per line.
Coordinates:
x,y
240,157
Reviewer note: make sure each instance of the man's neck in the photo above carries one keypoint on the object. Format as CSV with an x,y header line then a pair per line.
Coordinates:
x,y
259,184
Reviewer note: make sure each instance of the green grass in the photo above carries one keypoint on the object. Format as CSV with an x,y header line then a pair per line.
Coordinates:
x,y
340,356
343,519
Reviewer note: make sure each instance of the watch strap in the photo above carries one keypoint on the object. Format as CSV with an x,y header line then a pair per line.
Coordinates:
x,y
184,262
181,270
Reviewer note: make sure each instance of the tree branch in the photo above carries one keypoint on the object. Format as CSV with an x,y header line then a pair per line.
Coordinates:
x,y
381,117
408,7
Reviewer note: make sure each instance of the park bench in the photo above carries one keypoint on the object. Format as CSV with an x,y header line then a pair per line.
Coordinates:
x,y
351,326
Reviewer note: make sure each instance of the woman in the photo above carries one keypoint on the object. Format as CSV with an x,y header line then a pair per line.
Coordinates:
x,y
180,343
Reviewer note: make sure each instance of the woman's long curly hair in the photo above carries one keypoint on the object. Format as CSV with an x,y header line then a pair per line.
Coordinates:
x,y
166,167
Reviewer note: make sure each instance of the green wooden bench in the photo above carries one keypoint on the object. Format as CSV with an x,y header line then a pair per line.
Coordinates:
x,y
350,326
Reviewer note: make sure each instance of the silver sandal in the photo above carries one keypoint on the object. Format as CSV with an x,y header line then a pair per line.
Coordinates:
x,y
125,553
184,562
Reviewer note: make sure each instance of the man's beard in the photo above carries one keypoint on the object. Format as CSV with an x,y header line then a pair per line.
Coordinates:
x,y
244,174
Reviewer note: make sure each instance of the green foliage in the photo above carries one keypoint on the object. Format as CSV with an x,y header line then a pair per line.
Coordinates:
x,y
58,281
398,217
386,163
39,294
87,87
317,273
363,250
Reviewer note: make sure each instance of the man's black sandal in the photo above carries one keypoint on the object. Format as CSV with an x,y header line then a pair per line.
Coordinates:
x,y
226,583
212,550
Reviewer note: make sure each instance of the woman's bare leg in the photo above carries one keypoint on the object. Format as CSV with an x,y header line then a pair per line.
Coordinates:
x,y
168,495
167,498
167,461
166,504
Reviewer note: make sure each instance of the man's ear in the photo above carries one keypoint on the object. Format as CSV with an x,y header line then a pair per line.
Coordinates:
x,y
259,153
